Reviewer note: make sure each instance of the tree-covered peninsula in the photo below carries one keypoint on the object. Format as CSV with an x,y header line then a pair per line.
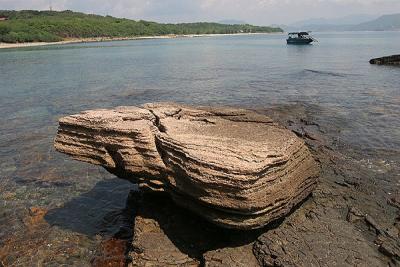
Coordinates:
x,y
53,26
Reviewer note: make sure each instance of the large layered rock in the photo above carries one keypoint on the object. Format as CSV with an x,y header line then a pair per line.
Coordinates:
x,y
234,167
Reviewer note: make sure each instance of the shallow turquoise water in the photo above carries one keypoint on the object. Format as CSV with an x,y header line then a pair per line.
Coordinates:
x,y
38,85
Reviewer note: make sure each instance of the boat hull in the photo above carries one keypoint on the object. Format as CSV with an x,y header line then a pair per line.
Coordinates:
x,y
296,41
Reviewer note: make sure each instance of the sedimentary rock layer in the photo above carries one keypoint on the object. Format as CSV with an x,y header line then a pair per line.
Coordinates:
x,y
234,167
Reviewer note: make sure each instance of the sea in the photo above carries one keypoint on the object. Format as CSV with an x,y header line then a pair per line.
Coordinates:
x,y
56,211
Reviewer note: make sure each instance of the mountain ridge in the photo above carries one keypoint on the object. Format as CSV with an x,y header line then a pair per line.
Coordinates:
x,y
386,22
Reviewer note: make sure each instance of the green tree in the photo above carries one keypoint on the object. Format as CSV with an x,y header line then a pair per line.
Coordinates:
x,y
4,29
45,26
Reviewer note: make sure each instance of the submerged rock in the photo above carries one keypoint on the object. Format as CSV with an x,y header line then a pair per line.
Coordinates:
x,y
390,60
234,167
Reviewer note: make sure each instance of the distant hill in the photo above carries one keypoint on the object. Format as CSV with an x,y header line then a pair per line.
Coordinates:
x,y
382,23
346,20
316,28
53,26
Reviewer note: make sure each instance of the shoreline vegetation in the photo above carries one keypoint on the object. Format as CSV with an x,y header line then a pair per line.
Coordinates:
x,y
32,28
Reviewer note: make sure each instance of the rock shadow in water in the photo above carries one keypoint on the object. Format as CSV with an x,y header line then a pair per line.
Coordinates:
x,y
103,210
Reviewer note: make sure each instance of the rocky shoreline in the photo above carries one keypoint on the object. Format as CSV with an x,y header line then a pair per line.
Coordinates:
x,y
349,220
390,60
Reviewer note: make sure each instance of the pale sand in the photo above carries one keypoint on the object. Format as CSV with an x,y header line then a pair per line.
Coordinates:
x,y
107,39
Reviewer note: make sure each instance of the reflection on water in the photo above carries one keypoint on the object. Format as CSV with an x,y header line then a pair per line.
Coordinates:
x,y
56,211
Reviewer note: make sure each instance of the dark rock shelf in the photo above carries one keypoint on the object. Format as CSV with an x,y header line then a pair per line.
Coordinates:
x,y
390,60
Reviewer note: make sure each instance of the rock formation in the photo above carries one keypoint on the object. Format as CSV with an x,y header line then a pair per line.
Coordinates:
x,y
234,167
390,60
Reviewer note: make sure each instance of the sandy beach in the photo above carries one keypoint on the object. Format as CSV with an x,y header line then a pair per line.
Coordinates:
x,y
108,39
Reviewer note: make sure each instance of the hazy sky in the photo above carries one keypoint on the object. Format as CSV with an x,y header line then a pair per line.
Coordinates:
x,y
261,12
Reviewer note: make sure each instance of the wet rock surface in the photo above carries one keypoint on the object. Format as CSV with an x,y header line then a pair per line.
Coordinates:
x,y
168,235
347,222
351,219
156,220
234,167
390,60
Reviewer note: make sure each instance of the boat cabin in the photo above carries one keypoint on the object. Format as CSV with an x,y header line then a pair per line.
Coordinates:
x,y
298,34
300,38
